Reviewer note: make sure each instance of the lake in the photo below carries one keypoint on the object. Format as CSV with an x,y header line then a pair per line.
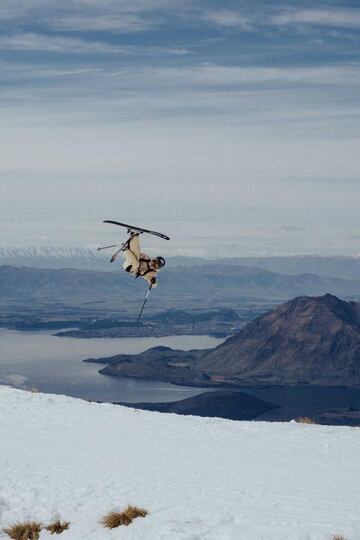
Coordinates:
x,y
54,364
305,400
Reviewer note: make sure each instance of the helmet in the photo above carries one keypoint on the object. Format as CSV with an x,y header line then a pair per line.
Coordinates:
x,y
161,261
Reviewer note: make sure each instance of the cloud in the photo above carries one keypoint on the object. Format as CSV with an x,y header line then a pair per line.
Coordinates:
x,y
195,89
49,43
349,18
8,12
229,19
234,76
290,228
115,16
199,105
117,24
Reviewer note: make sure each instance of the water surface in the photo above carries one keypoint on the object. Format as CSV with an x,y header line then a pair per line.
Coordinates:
x,y
305,400
54,364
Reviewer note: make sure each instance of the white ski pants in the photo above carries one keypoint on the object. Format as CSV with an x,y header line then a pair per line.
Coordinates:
x,y
132,255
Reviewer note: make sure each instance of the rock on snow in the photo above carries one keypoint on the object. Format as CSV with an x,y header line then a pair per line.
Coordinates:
x,y
199,478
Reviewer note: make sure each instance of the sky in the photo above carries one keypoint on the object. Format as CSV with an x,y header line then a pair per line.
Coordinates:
x,y
231,126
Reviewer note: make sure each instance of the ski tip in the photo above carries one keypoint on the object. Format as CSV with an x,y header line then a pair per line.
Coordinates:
x,y
136,229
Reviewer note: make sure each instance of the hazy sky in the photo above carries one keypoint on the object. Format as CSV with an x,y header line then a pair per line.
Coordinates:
x,y
207,119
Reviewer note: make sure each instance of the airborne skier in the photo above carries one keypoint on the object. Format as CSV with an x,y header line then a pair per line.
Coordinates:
x,y
136,262
139,263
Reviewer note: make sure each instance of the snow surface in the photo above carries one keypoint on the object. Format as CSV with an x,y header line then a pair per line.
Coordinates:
x,y
199,478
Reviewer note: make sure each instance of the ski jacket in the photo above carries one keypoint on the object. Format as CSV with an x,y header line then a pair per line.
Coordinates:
x,y
146,270
138,263
141,267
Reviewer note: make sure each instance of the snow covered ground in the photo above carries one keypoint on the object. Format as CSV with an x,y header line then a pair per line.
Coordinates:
x,y
199,478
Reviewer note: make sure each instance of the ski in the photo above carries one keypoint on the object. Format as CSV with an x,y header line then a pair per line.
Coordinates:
x,y
136,229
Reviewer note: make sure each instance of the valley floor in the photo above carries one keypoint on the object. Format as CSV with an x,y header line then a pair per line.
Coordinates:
x,y
199,478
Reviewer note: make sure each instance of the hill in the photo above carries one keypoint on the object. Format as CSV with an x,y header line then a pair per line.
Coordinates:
x,y
159,364
219,404
66,283
86,258
303,341
329,266
199,478
184,285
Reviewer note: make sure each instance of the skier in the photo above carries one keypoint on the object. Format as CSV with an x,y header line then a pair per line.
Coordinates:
x,y
140,264
137,263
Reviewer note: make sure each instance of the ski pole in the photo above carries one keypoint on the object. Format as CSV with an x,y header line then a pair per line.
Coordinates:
x,y
123,246
106,247
146,297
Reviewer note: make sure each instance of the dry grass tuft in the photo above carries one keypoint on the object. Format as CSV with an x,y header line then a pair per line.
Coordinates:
x,y
305,420
57,527
29,530
115,519
338,537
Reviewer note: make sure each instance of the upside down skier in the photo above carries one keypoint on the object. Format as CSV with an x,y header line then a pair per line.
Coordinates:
x,y
140,264
136,262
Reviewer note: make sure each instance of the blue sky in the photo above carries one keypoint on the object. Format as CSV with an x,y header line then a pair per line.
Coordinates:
x,y
206,119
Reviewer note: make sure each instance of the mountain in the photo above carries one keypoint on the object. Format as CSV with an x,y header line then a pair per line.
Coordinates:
x,y
19,282
303,341
326,266
220,404
88,258
206,284
159,364
198,478
55,257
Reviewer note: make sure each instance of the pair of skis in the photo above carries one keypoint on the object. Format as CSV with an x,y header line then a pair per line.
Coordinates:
x,y
131,230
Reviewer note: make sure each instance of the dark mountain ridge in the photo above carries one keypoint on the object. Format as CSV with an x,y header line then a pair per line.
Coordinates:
x,y
220,404
343,267
159,364
183,283
308,340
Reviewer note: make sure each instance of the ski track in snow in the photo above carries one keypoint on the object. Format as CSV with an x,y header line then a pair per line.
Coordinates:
x,y
199,478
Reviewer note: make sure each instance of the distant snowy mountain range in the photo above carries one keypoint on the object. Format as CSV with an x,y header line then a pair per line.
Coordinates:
x,y
198,478
47,251
55,257
88,258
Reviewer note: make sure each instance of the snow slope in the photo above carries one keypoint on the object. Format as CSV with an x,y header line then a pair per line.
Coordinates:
x,y
199,478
